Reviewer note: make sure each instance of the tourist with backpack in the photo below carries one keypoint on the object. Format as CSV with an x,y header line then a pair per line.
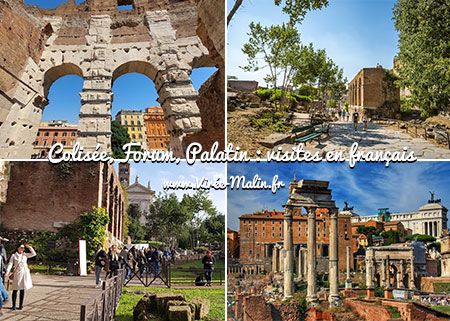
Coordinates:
x,y
208,266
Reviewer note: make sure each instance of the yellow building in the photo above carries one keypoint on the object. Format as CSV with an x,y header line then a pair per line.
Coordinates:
x,y
133,121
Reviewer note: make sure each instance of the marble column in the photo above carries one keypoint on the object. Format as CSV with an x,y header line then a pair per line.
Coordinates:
x,y
369,270
275,259
288,255
348,281
412,286
334,297
305,263
300,263
311,296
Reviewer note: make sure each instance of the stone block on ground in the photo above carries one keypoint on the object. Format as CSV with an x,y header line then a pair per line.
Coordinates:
x,y
201,307
179,313
275,139
162,299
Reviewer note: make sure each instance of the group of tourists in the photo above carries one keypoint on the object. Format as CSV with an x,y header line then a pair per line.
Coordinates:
x,y
17,273
344,116
140,261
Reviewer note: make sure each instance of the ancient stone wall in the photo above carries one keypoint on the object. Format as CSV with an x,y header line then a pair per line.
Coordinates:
x,y
99,43
371,92
44,196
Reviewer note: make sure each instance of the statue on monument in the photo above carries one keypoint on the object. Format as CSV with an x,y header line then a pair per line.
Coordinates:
x,y
346,207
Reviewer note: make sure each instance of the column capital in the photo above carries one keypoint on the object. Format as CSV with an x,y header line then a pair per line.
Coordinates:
x,y
311,212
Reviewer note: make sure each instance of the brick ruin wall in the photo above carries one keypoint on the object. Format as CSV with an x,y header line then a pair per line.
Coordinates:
x,y
168,37
40,194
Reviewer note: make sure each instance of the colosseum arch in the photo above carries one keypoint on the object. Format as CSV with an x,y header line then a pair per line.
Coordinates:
x,y
99,43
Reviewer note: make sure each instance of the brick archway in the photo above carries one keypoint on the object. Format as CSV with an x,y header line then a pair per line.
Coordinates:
x,y
94,40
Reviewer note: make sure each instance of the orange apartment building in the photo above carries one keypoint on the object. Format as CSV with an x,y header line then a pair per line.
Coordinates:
x,y
53,132
261,231
158,137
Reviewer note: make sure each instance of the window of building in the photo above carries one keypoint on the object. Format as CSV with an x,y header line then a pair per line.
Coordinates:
x,y
132,122
35,143
250,252
299,234
256,234
249,234
139,122
273,221
72,142
280,228
264,234
73,134
139,128
256,222
134,136
264,228
47,134
140,136
64,134
273,228
39,134
280,235
53,142
273,234
63,142
56,134
45,143
126,122
264,221
249,228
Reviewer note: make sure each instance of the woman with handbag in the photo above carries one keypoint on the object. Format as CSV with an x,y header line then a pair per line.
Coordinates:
x,y
21,276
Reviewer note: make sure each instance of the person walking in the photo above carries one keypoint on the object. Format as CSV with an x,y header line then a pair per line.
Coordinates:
x,y
364,122
114,261
156,260
142,262
100,263
208,266
355,120
21,277
3,263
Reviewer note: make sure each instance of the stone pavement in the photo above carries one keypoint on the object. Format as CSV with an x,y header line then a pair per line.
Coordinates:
x,y
53,298
376,138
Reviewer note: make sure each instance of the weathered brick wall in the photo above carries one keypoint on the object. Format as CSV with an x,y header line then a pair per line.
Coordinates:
x,y
40,195
20,39
367,311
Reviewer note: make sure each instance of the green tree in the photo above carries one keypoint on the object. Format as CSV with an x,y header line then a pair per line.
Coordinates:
x,y
424,52
420,237
119,138
368,231
167,219
136,230
92,228
391,237
295,9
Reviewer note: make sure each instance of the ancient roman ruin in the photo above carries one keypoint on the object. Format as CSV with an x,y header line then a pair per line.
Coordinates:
x,y
163,39
311,195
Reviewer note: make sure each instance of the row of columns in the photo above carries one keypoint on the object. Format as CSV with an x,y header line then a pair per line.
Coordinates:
x,y
243,269
431,228
312,297
355,93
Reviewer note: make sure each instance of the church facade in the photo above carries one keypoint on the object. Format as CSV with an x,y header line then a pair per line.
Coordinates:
x,y
142,196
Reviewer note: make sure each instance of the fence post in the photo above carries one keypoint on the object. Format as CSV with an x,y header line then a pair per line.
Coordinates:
x,y
448,140
170,276
103,300
83,313
425,133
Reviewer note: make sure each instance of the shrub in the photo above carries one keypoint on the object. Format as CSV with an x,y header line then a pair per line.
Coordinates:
x,y
332,103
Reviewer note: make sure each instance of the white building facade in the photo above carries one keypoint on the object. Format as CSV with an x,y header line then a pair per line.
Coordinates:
x,y
142,196
430,219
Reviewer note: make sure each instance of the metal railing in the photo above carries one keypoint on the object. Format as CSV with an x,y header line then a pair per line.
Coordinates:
x,y
103,306
188,276
419,130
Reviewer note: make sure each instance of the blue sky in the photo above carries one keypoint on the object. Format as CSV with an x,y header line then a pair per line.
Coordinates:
x,y
131,91
158,173
355,33
367,187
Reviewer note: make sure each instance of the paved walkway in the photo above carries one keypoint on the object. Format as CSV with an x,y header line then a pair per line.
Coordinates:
x,y
53,298
376,138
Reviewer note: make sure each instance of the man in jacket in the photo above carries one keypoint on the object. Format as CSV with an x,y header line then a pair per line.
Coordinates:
x,y
100,262
208,266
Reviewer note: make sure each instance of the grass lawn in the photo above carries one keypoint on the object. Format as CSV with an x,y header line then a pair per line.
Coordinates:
x,y
187,277
442,287
42,269
216,296
442,308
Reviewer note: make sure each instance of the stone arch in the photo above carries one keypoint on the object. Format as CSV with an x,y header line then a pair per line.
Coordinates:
x,y
176,96
140,67
54,73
